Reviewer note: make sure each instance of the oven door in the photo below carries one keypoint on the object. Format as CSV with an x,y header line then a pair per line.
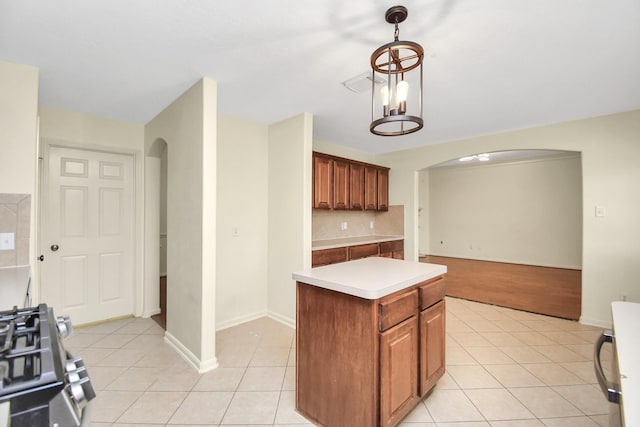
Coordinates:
x,y
610,389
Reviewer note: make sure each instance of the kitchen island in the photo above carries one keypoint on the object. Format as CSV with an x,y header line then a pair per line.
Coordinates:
x,y
370,340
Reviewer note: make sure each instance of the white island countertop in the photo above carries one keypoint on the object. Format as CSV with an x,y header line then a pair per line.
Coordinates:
x,y
626,319
370,278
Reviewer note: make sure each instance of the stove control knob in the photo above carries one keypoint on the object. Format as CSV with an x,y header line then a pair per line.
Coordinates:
x,y
79,386
64,326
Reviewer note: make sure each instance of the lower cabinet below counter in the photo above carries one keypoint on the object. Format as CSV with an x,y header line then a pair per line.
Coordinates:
x,y
368,363
390,249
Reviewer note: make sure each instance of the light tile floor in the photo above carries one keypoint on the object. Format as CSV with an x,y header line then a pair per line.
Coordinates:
x,y
504,368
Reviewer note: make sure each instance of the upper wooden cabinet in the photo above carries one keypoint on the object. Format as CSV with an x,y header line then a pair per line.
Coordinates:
x,y
341,184
322,182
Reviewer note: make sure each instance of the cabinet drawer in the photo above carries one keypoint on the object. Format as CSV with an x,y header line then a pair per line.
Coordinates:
x,y
388,249
396,309
431,292
394,245
328,256
363,251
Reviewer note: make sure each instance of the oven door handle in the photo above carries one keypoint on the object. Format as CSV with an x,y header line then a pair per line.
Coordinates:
x,y
610,389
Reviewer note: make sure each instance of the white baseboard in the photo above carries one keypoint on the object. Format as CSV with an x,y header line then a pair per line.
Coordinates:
x,y
282,319
253,316
151,312
240,319
596,322
186,354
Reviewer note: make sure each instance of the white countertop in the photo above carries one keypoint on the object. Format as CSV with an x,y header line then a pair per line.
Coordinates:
x,y
13,286
370,278
352,241
626,321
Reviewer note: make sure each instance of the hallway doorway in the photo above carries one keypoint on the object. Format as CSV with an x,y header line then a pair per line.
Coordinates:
x,y
156,227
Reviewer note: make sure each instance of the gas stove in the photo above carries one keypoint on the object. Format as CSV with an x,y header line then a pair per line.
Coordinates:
x,y
44,384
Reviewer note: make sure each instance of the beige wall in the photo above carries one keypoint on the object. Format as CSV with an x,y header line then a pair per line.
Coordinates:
x,y
18,127
526,212
610,149
19,148
289,249
77,129
423,207
346,152
189,126
15,218
242,221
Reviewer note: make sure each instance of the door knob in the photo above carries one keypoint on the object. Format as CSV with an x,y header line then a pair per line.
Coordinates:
x,y
55,247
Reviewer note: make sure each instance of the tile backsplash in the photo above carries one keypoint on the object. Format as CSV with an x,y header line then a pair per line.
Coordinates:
x,y
327,224
15,225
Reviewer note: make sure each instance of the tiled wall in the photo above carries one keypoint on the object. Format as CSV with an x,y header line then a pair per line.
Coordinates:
x,y
15,217
326,224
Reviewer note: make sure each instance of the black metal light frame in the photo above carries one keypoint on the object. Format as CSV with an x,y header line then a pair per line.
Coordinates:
x,y
392,61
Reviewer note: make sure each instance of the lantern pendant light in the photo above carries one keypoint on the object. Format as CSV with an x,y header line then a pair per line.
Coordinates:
x,y
396,109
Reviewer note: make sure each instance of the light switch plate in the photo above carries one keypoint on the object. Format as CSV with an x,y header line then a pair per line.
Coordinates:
x,y
7,241
600,211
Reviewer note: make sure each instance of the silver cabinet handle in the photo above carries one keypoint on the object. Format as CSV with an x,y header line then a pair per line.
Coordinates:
x,y
610,389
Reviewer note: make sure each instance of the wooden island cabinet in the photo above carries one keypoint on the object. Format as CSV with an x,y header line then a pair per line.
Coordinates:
x,y
369,344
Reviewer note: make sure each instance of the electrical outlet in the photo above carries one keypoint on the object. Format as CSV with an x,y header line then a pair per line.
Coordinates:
x,y
7,241
343,225
371,225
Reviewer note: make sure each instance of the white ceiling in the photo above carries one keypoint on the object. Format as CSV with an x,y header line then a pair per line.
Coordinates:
x,y
491,65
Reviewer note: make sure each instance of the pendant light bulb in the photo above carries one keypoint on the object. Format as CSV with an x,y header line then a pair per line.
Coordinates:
x,y
386,97
401,91
384,93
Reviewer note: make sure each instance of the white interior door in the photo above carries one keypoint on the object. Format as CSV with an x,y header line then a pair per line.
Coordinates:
x,y
88,235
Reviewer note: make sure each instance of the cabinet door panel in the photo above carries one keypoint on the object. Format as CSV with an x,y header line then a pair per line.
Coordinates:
x,y
398,371
370,188
322,182
432,346
340,184
383,189
356,181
